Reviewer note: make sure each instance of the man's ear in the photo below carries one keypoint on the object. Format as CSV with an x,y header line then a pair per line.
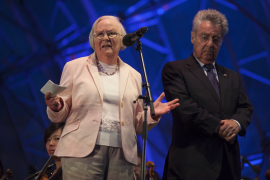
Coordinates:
x,y
192,37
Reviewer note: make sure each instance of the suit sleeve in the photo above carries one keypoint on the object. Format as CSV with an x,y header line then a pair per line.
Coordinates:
x,y
189,113
244,110
66,80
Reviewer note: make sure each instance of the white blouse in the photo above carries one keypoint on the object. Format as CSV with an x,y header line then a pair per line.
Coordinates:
x,y
110,129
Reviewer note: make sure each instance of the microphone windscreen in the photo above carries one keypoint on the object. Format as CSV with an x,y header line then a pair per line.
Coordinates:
x,y
143,30
126,40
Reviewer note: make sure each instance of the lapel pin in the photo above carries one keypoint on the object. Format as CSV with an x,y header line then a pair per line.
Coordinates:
x,y
225,75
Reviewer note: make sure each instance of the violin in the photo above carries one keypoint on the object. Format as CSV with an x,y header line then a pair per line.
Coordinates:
x,y
151,167
35,174
42,175
7,176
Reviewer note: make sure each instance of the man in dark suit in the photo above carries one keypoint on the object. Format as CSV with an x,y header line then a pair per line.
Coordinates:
x,y
213,108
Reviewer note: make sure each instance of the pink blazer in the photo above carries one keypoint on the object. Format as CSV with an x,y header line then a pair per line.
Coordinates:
x,y
83,100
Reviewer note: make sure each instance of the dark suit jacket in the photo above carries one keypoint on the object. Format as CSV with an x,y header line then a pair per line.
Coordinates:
x,y
196,151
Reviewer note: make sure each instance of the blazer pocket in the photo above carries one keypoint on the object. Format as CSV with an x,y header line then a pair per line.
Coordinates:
x,y
70,127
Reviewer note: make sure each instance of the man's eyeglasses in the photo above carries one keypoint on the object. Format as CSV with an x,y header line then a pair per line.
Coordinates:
x,y
217,41
110,35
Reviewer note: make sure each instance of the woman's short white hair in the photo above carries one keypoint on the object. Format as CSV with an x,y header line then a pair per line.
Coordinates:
x,y
122,30
215,17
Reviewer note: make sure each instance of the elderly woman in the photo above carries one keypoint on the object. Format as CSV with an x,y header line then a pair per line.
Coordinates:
x,y
99,139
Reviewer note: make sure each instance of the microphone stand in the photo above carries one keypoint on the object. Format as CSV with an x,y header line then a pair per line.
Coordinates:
x,y
254,168
147,100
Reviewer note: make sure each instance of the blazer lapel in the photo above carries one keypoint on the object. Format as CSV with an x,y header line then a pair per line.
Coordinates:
x,y
223,81
123,78
197,71
93,69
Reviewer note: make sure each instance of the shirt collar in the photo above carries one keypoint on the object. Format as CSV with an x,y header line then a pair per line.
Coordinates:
x,y
201,64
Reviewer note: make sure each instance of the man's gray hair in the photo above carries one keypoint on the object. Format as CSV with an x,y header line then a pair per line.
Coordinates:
x,y
215,17
121,29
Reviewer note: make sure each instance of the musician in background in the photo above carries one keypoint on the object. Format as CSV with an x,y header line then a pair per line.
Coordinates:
x,y
51,138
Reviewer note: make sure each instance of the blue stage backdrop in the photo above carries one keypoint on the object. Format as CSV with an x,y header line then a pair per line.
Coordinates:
x,y
38,37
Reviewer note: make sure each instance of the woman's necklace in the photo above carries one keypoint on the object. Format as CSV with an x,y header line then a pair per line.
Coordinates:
x,y
101,69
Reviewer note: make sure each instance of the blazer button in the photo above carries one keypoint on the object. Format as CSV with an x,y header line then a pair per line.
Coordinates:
x,y
122,104
123,123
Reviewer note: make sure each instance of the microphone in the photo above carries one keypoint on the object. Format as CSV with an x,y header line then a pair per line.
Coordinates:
x,y
254,168
130,39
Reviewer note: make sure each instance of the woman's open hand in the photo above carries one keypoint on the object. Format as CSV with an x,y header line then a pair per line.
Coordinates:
x,y
163,108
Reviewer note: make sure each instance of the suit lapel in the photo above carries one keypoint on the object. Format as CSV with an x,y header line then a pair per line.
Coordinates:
x,y
123,78
197,71
93,69
223,82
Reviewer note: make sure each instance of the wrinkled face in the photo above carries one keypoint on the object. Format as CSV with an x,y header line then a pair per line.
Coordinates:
x,y
52,141
108,46
207,42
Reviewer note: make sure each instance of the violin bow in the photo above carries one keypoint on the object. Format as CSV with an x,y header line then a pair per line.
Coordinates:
x,y
44,167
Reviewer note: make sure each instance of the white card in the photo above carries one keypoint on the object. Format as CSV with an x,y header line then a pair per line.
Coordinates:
x,y
54,89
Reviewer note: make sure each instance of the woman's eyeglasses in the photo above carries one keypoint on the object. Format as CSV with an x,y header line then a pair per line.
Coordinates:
x,y
110,35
